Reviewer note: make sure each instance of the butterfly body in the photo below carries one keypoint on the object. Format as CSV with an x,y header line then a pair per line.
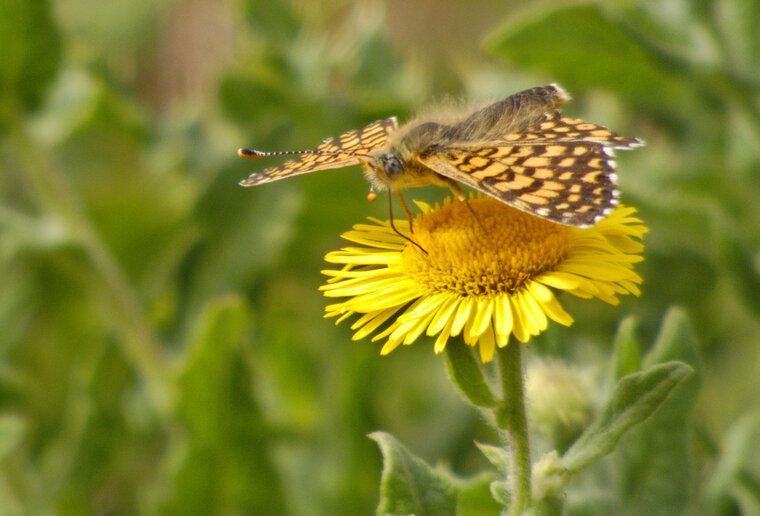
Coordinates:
x,y
519,150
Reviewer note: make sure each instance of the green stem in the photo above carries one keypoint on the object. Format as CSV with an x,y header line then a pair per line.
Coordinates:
x,y
510,416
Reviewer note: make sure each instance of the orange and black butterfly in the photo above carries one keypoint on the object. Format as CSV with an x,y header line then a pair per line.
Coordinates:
x,y
519,150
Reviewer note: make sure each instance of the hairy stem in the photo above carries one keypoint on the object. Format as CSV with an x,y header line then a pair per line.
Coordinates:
x,y
510,416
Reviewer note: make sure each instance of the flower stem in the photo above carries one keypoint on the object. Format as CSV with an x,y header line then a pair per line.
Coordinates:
x,y
510,416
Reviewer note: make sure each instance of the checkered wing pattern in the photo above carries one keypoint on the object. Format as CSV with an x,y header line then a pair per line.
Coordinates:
x,y
558,128
332,153
567,181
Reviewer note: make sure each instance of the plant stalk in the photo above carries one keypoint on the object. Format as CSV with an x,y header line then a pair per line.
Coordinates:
x,y
510,416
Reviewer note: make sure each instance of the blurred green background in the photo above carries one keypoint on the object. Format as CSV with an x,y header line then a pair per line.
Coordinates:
x,y
162,346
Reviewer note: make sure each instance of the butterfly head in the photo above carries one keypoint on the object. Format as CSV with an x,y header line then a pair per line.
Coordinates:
x,y
382,169
390,164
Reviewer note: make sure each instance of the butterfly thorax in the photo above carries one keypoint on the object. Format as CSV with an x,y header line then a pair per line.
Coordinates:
x,y
398,163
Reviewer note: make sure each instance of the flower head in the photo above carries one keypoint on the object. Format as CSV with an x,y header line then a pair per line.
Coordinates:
x,y
487,271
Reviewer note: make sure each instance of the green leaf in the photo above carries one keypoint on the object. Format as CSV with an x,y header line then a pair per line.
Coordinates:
x,y
501,493
466,373
499,457
496,455
654,461
626,354
676,341
203,378
31,52
476,497
585,47
737,473
635,398
742,269
12,430
409,485
219,461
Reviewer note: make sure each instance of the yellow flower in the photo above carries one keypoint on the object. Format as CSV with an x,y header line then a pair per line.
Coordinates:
x,y
486,278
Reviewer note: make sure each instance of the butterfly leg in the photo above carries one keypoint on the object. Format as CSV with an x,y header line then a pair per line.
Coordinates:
x,y
456,189
393,226
408,212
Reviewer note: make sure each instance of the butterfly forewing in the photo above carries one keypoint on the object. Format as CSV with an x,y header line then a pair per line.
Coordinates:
x,y
335,152
570,182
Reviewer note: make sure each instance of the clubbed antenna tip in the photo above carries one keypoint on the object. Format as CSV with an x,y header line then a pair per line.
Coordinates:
x,y
250,153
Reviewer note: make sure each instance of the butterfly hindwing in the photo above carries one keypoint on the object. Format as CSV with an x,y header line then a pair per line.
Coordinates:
x,y
569,182
335,152
556,127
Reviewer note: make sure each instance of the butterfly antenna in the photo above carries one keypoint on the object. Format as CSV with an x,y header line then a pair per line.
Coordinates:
x,y
393,226
256,154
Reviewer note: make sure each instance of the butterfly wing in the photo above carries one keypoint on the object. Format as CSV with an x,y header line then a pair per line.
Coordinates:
x,y
332,153
557,128
570,182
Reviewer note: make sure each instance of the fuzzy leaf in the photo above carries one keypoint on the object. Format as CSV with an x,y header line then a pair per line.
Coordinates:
x,y
626,355
635,398
409,485
655,459
467,374
496,455
500,492
676,341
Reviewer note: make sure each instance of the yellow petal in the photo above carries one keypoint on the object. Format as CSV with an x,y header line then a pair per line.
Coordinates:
x,y
502,320
554,310
371,325
519,329
482,318
443,337
445,313
486,345
462,315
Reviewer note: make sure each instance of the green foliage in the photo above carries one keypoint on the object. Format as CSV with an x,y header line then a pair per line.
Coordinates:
x,y
466,374
635,398
31,53
12,429
655,399
163,348
409,486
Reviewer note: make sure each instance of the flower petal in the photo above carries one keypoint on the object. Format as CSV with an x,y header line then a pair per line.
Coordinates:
x,y
502,320
519,329
462,315
445,312
443,337
482,318
486,345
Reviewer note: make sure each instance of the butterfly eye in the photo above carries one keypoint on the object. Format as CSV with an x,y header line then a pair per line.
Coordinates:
x,y
392,165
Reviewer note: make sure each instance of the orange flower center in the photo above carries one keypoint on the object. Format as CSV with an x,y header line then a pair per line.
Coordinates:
x,y
488,249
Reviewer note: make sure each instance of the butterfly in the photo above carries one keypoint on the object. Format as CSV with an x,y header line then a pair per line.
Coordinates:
x,y
520,150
